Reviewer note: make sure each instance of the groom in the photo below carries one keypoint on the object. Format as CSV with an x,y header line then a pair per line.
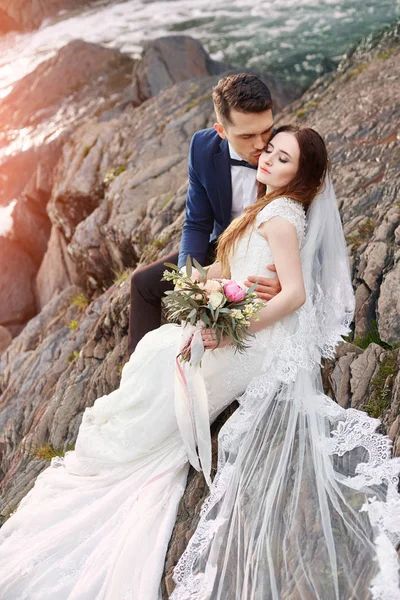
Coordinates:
x,y
222,182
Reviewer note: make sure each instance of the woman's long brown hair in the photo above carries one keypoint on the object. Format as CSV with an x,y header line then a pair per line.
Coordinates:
x,y
305,185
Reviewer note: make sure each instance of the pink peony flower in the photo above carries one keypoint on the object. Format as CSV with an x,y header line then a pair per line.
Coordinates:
x,y
233,291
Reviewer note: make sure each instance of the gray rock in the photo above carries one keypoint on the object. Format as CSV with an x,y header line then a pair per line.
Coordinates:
x,y
340,379
80,82
389,305
362,369
31,229
16,172
5,339
38,189
365,310
31,225
17,299
169,60
172,59
372,264
392,419
78,181
84,73
57,271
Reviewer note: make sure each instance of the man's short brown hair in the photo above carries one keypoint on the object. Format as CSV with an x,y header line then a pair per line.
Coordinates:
x,y
242,92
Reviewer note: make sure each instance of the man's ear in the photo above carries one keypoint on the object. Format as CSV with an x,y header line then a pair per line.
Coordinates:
x,y
220,130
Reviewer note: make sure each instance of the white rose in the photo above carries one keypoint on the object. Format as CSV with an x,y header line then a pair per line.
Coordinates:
x,y
216,299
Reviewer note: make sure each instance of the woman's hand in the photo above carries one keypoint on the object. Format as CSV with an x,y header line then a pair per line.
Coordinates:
x,y
210,340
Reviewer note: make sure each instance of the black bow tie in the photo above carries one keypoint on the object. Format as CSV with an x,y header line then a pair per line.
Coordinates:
x,y
242,163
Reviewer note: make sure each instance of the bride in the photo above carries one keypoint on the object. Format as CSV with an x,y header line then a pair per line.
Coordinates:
x,y
304,504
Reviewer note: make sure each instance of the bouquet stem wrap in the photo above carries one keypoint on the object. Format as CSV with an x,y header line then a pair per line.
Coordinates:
x,y
191,403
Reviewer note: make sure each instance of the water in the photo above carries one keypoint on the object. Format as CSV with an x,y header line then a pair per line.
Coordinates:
x,y
294,39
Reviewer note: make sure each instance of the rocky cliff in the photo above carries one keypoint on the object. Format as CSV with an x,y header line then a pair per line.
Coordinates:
x,y
117,200
83,80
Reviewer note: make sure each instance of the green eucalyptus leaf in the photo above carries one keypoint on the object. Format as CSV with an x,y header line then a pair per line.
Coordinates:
x,y
201,270
252,288
188,266
205,319
210,308
192,303
171,266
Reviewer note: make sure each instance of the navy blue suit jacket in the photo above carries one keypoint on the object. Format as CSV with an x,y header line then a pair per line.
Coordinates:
x,y
209,197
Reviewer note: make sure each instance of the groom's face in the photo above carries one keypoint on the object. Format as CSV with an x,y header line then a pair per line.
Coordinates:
x,y
248,133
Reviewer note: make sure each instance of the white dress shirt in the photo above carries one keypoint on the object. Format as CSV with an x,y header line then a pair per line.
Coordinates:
x,y
244,185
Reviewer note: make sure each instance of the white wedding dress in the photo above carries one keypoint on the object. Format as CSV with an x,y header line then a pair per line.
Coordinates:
x,y
97,523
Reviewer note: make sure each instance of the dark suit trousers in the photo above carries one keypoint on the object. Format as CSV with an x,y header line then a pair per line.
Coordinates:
x,y
147,290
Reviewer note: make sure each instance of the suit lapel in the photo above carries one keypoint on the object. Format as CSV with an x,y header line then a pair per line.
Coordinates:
x,y
224,182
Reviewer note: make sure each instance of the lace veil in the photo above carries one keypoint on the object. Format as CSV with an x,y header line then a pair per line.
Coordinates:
x,y
300,505
326,271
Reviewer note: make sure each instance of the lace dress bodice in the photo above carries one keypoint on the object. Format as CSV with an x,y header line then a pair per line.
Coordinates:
x,y
253,254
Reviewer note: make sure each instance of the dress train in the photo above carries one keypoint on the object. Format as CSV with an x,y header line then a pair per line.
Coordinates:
x,y
97,523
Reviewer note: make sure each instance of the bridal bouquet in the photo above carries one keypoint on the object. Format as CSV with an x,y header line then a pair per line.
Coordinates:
x,y
222,305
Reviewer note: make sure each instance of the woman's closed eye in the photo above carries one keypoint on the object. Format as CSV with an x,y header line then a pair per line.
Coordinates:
x,y
268,150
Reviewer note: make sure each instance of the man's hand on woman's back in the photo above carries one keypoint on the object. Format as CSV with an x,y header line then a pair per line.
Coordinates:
x,y
267,287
